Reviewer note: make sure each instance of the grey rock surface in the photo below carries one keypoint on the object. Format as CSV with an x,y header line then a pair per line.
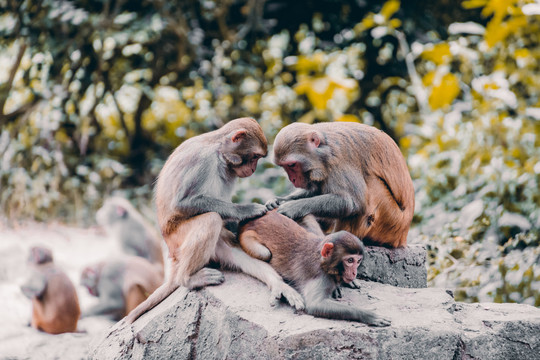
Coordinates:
x,y
404,267
236,321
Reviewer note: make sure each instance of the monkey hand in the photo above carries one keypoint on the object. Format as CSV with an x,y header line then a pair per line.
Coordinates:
x,y
336,294
249,211
292,296
294,209
274,203
355,284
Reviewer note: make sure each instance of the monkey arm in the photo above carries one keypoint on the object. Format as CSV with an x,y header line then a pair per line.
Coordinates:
x,y
317,293
331,309
297,194
355,284
327,205
201,204
34,286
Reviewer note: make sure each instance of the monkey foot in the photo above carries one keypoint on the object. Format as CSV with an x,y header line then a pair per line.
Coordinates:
x,y
205,277
292,296
376,320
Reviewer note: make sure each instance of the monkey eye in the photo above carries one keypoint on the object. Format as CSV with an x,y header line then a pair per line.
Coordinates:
x,y
350,260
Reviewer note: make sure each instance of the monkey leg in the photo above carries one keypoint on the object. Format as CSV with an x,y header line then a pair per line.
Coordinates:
x,y
134,297
37,315
310,223
197,238
191,246
235,258
250,243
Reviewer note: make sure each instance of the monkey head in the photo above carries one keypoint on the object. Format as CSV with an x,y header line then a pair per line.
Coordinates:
x,y
342,253
300,150
113,210
40,255
243,145
90,278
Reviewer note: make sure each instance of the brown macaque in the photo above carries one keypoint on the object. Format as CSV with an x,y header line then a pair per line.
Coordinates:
x,y
55,305
136,235
120,284
314,263
193,200
349,175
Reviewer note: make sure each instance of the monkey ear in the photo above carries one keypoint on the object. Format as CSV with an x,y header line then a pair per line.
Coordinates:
x,y
238,135
327,249
315,139
232,159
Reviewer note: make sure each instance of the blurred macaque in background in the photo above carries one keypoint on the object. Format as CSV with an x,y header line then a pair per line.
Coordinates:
x,y
55,305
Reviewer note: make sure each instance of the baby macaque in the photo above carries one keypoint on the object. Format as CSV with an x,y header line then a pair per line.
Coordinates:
x,y
313,263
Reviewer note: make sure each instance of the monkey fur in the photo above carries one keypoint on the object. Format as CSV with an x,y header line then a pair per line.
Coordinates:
x,y
55,305
313,263
350,175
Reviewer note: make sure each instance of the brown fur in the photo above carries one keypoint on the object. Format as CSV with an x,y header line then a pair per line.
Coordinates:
x,y
361,164
193,199
294,249
296,254
55,305
121,284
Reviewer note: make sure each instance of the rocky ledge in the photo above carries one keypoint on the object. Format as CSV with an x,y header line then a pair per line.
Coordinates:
x,y
404,267
235,321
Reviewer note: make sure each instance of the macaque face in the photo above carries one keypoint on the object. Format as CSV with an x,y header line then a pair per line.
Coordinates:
x,y
89,280
248,165
350,266
39,255
295,172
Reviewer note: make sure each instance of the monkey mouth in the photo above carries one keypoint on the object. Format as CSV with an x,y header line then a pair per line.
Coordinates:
x,y
297,183
243,173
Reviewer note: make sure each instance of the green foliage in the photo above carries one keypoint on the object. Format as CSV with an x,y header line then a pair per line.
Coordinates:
x,y
98,93
476,158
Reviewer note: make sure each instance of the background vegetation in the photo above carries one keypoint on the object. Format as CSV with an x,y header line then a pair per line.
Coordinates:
x,y
94,95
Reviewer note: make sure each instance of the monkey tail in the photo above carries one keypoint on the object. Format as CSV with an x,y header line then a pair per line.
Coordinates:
x,y
160,294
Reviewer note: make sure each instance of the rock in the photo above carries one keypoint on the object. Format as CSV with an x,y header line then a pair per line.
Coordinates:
x,y
235,321
404,267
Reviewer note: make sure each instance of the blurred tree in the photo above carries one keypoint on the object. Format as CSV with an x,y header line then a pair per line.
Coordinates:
x,y
96,94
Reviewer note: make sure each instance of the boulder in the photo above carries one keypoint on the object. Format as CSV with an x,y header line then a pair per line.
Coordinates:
x,y
236,321
404,267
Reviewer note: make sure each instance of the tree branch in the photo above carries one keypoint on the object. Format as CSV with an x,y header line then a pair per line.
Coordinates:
x,y
12,73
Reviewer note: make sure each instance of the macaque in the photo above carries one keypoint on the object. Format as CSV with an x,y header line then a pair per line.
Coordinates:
x,y
193,200
315,264
136,235
55,305
351,176
120,284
